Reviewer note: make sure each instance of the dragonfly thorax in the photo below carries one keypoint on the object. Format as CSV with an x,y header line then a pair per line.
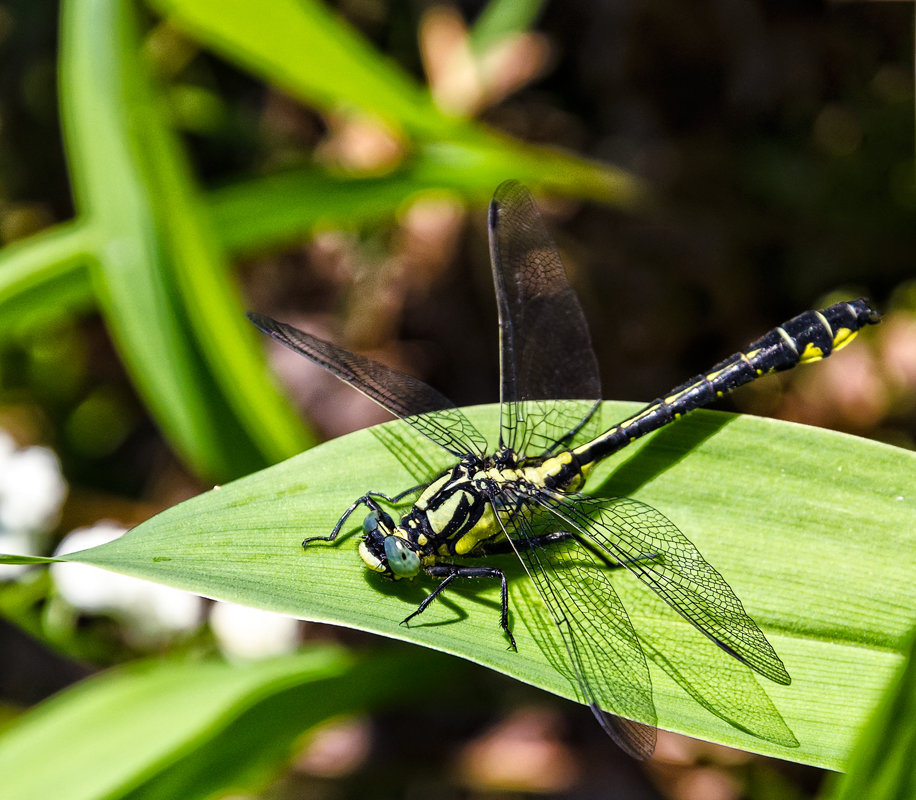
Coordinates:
x,y
454,516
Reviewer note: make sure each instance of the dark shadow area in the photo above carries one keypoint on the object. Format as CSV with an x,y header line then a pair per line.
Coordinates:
x,y
664,449
420,457
30,671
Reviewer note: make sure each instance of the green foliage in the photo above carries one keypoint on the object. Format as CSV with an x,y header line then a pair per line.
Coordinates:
x,y
812,529
167,729
806,525
881,767
156,274
150,248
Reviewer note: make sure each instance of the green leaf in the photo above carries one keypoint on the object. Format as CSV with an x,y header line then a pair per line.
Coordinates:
x,y
187,729
43,275
128,269
10,558
808,526
266,212
502,18
302,47
881,766
156,271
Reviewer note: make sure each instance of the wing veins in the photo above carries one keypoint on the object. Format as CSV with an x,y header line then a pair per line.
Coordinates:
x,y
664,561
602,644
403,395
545,347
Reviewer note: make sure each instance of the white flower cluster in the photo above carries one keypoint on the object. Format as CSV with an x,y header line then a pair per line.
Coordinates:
x,y
32,492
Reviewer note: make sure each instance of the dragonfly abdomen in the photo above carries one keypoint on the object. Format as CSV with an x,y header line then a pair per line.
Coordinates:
x,y
808,337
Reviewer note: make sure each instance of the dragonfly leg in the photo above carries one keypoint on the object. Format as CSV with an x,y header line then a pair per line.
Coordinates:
x,y
368,500
448,572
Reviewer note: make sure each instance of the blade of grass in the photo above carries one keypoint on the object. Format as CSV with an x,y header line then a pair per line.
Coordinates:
x,y
129,276
44,275
300,46
188,729
152,258
881,766
258,743
210,298
501,18
808,527
278,209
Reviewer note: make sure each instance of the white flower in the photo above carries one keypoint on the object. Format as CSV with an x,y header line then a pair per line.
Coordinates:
x,y
151,611
251,633
32,492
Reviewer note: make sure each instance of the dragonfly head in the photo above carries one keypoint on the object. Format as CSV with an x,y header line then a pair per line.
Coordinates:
x,y
384,550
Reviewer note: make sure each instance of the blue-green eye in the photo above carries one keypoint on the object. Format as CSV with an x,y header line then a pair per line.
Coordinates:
x,y
370,523
402,561
377,521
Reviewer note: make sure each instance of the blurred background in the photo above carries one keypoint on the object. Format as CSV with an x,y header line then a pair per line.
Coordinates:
x,y
708,170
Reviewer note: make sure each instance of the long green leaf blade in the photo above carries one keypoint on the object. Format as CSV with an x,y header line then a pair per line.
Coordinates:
x,y
128,271
154,271
277,209
811,528
302,47
43,275
186,729
881,767
90,721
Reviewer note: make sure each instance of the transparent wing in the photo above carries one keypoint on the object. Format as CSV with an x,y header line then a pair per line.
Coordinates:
x,y
648,544
421,406
545,349
607,660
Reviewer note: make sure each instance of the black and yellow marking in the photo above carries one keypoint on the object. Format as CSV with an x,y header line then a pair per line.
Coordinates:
x,y
524,496
806,338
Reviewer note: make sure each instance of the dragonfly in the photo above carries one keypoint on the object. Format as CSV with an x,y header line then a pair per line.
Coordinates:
x,y
525,495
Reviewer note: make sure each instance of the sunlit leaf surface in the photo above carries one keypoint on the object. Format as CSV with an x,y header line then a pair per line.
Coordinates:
x,y
814,530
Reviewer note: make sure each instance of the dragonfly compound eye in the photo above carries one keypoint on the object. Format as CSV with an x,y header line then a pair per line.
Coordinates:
x,y
370,523
377,522
402,560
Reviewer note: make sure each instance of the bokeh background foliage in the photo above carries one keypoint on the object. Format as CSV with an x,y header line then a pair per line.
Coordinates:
x,y
151,255
755,213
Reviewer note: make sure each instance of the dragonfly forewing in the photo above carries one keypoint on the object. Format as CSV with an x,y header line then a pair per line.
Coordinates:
x,y
428,411
545,347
